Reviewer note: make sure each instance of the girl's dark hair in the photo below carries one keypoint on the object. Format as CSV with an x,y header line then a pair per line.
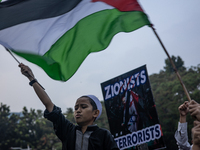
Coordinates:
x,y
94,106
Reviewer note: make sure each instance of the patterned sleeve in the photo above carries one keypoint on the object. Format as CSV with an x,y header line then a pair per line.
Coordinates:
x,y
181,137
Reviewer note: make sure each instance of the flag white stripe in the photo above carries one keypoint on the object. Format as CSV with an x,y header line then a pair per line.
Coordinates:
x,y
38,36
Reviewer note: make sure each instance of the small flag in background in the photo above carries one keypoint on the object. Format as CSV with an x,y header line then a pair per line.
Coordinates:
x,y
59,35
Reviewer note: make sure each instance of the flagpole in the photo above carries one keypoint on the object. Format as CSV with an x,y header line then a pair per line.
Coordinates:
x,y
174,67
12,55
19,63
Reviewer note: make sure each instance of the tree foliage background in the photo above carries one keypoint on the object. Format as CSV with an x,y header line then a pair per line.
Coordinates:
x,y
30,128
169,95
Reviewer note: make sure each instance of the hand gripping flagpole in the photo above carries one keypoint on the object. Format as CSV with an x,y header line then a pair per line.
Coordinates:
x,y
19,63
174,67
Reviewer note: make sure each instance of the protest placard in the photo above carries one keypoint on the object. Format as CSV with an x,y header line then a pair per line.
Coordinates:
x,y
131,110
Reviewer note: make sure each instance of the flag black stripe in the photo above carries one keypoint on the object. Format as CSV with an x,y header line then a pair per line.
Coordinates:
x,y
14,12
9,3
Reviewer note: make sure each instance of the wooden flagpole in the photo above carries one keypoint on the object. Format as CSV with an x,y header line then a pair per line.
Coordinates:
x,y
174,67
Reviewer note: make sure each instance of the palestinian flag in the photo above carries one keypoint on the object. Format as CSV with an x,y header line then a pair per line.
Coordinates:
x,y
57,35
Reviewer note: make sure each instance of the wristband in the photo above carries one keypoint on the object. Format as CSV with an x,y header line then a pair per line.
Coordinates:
x,y
32,82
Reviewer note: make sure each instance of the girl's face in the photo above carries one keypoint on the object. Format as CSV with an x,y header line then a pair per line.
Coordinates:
x,y
84,113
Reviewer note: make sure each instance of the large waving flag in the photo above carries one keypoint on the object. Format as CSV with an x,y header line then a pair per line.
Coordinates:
x,y
58,35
